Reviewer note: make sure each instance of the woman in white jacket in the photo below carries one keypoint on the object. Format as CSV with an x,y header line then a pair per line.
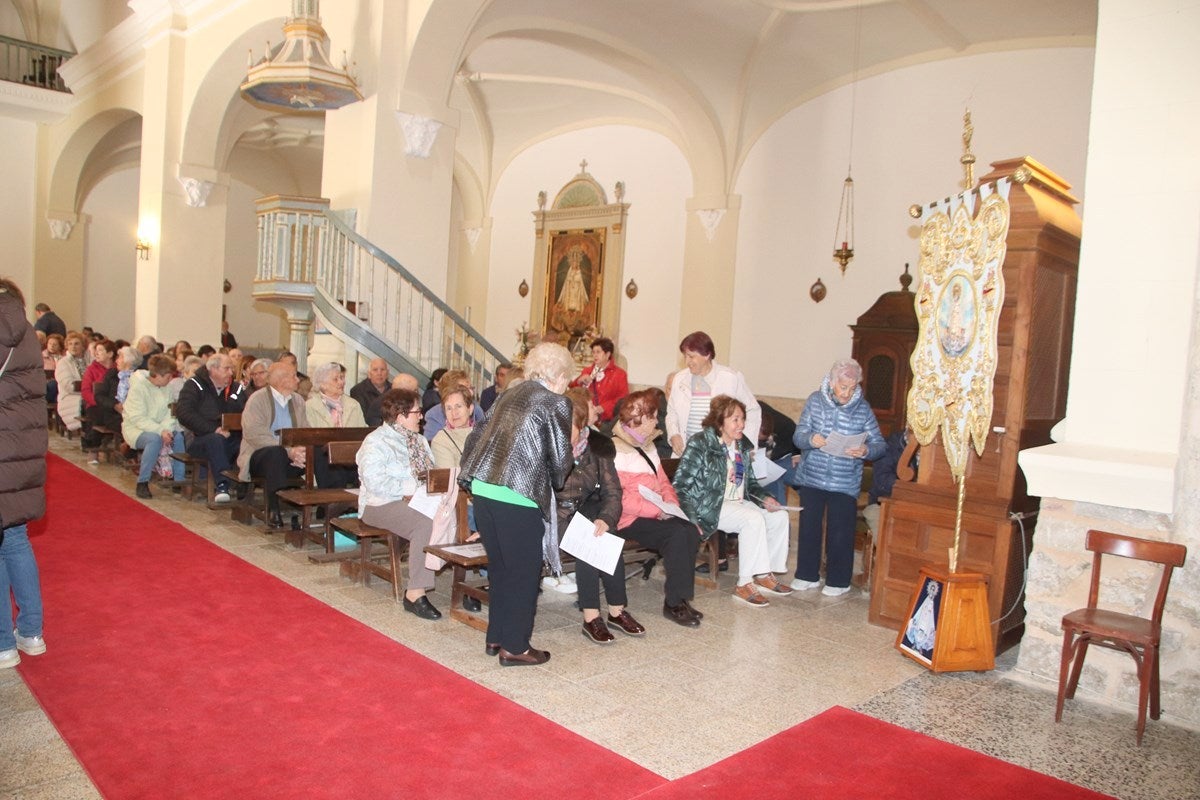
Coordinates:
x,y
692,390
147,422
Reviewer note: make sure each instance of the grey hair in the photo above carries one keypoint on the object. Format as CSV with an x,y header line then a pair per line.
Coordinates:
x,y
324,372
549,362
217,359
190,365
265,363
148,341
846,368
132,357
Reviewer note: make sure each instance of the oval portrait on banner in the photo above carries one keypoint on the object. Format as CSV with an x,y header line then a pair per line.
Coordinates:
x,y
956,315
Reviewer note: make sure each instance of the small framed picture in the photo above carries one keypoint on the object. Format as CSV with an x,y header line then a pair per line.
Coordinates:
x,y
919,635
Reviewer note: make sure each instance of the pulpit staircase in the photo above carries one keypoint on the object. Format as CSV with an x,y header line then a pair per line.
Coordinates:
x,y
310,260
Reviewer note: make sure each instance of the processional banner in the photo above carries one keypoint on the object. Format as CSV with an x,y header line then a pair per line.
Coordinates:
x,y
958,307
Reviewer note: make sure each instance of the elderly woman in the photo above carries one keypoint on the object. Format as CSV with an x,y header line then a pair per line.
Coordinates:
x,y
512,464
328,406
104,352
112,390
693,389
593,490
638,465
254,375
717,489
458,405
605,381
68,373
393,459
829,482
147,423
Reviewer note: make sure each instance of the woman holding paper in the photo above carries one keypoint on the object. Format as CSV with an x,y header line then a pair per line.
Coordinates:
x,y
829,482
717,489
392,461
593,491
675,539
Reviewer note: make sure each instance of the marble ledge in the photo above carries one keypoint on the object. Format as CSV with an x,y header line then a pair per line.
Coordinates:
x,y
1109,476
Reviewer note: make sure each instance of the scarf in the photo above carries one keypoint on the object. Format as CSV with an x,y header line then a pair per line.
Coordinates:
x,y
633,434
123,384
418,451
334,406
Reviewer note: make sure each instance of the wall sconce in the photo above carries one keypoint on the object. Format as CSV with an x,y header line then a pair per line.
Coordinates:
x,y
631,289
523,289
143,249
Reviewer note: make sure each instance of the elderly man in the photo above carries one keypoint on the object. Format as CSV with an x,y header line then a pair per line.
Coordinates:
x,y
490,394
368,391
47,321
146,347
305,385
205,396
266,413
401,381
435,418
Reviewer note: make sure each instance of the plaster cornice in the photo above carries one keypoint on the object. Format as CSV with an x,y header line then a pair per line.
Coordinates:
x,y
33,104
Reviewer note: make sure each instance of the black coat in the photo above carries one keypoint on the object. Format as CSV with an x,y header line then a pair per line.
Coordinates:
x,y
104,412
200,405
23,437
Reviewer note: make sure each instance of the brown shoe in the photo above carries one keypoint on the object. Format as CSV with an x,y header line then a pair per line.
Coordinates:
x,y
768,583
530,657
695,612
749,595
597,631
681,615
626,623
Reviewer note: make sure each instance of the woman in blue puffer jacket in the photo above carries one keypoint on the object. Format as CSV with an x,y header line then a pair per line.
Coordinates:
x,y
829,483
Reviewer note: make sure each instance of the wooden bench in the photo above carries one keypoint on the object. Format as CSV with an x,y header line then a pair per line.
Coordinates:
x,y
309,498
245,509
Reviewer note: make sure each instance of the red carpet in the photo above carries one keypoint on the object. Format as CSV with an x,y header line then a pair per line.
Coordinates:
x,y
176,669
843,755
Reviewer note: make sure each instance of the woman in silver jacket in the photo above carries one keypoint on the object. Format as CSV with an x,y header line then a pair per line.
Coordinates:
x,y
512,464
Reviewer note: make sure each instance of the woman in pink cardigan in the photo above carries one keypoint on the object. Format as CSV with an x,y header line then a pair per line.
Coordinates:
x,y
675,539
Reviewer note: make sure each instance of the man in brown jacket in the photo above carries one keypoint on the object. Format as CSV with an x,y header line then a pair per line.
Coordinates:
x,y
22,476
277,406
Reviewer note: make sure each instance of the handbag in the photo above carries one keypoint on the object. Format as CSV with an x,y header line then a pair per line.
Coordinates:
x,y
445,522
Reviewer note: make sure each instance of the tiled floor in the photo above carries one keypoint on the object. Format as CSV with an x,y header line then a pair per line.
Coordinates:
x,y
744,675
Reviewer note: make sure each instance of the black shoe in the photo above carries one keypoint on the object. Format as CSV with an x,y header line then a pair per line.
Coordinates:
x,y
422,608
275,521
143,491
695,613
681,615
722,566
473,605
491,649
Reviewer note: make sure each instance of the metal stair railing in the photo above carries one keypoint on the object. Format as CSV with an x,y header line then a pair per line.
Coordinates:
x,y
385,309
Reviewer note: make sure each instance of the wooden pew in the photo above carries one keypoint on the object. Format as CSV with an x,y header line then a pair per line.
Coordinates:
x,y
709,550
309,497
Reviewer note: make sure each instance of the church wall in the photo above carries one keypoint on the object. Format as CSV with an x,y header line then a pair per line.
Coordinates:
x,y
657,184
257,325
109,258
907,141
16,214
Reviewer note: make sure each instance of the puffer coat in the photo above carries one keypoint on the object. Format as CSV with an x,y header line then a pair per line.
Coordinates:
x,y
702,474
824,415
23,437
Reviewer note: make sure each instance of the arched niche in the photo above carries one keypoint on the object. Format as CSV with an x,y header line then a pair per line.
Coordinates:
x,y
579,262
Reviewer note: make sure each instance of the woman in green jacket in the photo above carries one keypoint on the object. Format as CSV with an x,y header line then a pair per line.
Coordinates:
x,y
717,489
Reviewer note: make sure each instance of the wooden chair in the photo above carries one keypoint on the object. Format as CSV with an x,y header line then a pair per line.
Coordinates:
x,y
1138,636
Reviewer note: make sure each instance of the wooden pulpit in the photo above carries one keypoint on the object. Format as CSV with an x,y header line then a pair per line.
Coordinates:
x,y
1030,396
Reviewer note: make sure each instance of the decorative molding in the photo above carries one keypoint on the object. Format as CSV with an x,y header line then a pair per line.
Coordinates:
x,y
420,133
34,104
710,218
60,228
472,237
197,191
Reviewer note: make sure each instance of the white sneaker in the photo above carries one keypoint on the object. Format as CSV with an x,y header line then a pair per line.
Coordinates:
x,y
800,586
9,658
221,497
30,645
559,584
835,591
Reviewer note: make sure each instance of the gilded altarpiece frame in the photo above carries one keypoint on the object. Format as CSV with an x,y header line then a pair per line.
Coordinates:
x,y
578,271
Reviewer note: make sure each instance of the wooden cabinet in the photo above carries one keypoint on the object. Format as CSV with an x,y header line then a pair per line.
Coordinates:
x,y
1030,394
884,338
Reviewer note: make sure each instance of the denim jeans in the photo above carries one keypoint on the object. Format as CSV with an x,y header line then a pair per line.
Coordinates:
x,y
778,487
19,579
151,445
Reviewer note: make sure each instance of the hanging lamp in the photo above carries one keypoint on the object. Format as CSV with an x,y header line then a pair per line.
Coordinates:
x,y
300,76
843,234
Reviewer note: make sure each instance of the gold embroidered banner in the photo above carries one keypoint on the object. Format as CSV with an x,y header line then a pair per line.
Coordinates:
x,y
958,308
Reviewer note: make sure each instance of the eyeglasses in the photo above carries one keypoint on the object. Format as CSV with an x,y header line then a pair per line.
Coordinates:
x,y
416,411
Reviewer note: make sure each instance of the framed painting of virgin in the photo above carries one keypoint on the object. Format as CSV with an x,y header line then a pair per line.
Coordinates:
x,y
575,283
